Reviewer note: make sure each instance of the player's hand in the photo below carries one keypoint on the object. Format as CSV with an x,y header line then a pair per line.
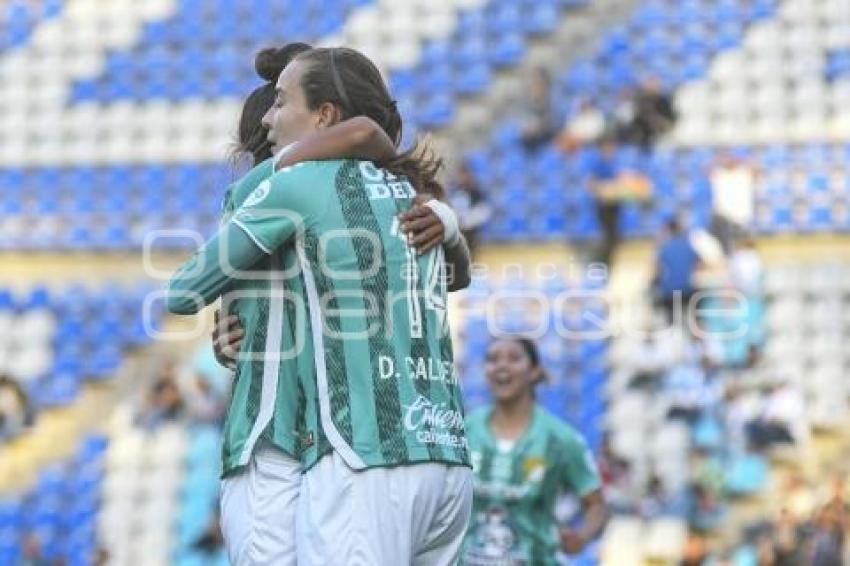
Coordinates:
x,y
571,541
227,338
422,227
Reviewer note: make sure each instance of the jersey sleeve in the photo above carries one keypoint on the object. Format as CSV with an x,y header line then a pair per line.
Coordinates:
x,y
268,217
578,468
276,210
204,276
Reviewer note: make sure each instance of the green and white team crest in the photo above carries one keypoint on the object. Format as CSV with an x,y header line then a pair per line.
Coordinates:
x,y
493,540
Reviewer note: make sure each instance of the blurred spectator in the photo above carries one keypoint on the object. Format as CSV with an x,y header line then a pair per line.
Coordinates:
x,y
604,172
32,553
693,389
732,202
828,538
203,402
586,126
211,541
745,268
695,552
537,114
15,411
616,475
164,401
787,546
739,408
830,528
471,206
706,508
654,113
781,418
613,183
707,472
675,264
623,117
657,501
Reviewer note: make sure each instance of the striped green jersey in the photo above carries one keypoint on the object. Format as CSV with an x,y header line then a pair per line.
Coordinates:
x,y
377,366
516,488
266,391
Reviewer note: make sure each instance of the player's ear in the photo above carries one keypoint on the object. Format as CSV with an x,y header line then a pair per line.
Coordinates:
x,y
327,115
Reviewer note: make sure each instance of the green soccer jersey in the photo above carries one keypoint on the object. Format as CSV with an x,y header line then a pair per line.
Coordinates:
x,y
516,488
266,398
375,366
380,348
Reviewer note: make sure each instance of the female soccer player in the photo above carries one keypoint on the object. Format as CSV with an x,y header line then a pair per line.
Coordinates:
x,y
523,457
384,446
263,473
261,483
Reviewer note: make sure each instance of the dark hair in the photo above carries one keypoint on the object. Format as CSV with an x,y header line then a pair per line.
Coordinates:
x,y
529,347
252,136
349,80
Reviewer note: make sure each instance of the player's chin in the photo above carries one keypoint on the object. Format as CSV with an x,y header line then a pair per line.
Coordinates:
x,y
503,391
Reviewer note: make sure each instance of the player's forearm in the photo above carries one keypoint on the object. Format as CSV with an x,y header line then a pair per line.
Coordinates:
x,y
595,516
358,137
202,279
459,263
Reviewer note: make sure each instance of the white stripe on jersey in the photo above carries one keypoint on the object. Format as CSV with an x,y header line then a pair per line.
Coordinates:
x,y
271,369
334,437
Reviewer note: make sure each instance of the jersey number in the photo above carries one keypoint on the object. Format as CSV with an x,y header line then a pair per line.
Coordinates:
x,y
434,292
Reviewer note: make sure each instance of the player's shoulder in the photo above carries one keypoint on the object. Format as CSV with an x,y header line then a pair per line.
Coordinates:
x,y
248,183
476,420
557,427
308,170
256,175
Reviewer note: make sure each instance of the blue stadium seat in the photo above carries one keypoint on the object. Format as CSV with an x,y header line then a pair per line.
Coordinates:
x,y
542,17
506,49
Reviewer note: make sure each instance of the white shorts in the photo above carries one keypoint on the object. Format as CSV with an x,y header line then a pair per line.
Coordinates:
x,y
258,508
415,514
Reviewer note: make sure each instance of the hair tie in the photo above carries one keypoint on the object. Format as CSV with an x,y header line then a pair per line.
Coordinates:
x,y
392,105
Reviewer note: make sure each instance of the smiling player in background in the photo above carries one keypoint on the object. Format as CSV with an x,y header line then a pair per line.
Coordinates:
x,y
523,458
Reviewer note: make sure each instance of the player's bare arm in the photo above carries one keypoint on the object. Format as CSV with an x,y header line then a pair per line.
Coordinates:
x,y
595,511
359,137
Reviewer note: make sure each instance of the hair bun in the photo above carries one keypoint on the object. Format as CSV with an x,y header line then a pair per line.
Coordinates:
x,y
271,61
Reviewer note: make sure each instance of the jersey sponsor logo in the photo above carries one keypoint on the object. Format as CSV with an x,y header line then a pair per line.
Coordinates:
x,y
435,423
259,194
396,190
380,183
502,490
430,369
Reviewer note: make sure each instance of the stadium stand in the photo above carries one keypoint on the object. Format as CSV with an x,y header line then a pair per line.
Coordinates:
x,y
56,340
57,518
20,17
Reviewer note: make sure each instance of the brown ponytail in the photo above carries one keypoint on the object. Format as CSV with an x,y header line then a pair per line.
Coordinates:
x,y
348,79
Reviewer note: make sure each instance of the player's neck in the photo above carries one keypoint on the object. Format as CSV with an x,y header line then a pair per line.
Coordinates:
x,y
510,418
